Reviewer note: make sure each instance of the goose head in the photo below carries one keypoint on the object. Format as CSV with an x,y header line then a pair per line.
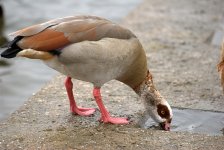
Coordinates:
x,y
156,106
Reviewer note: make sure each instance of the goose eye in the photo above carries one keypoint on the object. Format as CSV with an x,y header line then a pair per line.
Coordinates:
x,y
163,112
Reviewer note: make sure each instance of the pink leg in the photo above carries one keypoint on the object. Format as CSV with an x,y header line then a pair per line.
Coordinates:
x,y
105,116
73,107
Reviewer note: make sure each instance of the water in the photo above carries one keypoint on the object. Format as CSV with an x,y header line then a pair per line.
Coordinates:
x,y
23,76
194,121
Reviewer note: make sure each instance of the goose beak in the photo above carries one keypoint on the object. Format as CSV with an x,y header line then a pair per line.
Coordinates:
x,y
165,126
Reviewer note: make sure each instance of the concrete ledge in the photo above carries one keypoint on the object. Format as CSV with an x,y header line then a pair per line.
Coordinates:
x,y
183,62
45,123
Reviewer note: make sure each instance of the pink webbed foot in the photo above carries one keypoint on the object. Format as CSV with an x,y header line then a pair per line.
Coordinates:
x,y
82,111
114,120
105,116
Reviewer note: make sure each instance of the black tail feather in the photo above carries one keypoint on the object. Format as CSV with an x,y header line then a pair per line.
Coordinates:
x,y
10,52
12,49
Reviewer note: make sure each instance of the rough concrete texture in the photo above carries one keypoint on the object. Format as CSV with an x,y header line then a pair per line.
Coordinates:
x,y
176,35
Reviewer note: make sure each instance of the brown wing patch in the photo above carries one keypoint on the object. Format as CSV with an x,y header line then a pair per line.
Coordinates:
x,y
77,26
35,29
92,30
63,31
30,30
44,41
163,111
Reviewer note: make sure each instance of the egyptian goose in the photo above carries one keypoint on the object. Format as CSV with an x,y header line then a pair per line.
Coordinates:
x,y
95,50
221,66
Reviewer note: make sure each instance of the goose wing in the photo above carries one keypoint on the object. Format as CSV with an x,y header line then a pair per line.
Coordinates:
x,y
59,33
